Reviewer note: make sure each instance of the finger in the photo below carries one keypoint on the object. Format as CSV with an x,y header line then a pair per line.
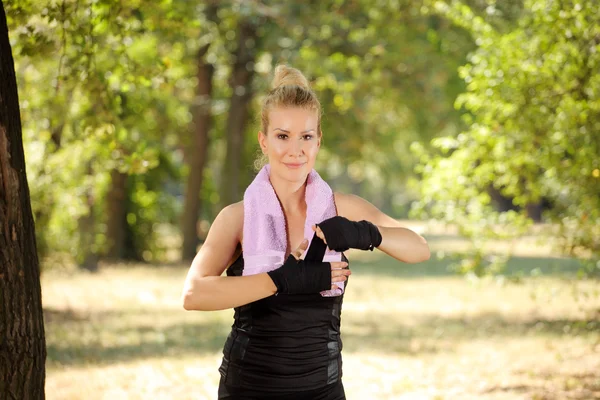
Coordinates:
x,y
341,272
297,254
335,265
338,264
339,277
300,250
303,245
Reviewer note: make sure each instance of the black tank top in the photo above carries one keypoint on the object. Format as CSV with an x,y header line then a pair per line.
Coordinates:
x,y
283,342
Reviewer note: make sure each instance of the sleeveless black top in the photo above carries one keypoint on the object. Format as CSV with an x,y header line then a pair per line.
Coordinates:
x,y
283,342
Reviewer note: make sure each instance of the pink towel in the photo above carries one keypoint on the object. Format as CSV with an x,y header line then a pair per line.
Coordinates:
x,y
265,236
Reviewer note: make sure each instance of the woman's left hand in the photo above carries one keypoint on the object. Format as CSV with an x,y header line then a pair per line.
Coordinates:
x,y
344,234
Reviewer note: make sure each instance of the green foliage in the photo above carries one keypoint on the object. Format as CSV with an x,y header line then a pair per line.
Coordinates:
x,y
109,86
150,207
382,85
533,107
94,85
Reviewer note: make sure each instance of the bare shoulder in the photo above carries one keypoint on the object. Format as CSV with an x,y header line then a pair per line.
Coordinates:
x,y
231,218
235,210
355,208
348,204
222,243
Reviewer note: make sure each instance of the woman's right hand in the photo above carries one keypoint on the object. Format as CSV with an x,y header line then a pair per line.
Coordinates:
x,y
297,276
339,269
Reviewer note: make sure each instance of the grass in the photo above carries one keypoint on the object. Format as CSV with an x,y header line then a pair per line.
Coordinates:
x,y
409,332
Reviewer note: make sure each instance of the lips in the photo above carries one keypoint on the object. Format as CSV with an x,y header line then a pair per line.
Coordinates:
x,y
294,166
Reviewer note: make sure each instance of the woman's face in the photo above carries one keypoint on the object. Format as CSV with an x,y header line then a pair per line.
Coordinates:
x,y
291,142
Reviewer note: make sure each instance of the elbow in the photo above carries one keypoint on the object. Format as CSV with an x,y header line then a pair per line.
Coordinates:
x,y
188,304
424,254
191,302
415,259
194,295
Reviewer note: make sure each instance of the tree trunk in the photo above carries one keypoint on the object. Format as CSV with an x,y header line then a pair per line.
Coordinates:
x,y
196,155
241,87
116,227
22,344
88,254
500,202
534,211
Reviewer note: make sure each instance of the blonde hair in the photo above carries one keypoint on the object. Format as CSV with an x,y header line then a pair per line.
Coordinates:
x,y
289,88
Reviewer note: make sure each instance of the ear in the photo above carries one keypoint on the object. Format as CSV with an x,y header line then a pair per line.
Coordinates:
x,y
319,139
262,141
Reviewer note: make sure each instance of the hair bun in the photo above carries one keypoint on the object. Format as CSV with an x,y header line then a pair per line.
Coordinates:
x,y
288,76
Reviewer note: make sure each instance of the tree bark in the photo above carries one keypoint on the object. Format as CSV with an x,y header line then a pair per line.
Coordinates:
x,y
22,343
196,155
116,226
241,87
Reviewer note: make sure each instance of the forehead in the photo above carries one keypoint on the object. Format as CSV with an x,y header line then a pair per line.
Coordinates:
x,y
293,118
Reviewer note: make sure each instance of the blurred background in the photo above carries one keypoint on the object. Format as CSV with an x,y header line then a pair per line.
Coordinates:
x,y
475,122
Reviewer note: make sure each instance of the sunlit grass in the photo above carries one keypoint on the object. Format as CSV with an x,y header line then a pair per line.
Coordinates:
x,y
409,331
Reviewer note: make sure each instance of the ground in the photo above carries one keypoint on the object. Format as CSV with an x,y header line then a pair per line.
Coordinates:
x,y
409,332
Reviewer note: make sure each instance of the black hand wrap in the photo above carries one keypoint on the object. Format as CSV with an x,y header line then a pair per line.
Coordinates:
x,y
307,276
342,234
316,250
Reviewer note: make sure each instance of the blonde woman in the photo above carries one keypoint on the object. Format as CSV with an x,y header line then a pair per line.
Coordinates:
x,y
282,248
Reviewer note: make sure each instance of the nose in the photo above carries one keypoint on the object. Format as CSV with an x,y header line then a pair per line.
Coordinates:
x,y
296,148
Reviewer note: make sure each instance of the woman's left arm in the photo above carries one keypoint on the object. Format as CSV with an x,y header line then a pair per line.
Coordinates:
x,y
401,243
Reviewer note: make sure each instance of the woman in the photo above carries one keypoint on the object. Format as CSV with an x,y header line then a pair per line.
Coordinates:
x,y
285,341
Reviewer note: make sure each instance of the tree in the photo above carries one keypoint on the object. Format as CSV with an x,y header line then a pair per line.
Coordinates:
x,y
240,82
196,153
22,343
111,111
533,106
131,123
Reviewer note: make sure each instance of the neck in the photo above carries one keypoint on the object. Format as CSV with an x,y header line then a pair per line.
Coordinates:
x,y
290,194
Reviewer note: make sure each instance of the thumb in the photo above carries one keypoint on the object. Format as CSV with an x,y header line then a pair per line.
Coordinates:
x,y
301,249
303,246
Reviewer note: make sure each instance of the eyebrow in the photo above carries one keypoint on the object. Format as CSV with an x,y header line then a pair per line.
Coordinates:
x,y
283,130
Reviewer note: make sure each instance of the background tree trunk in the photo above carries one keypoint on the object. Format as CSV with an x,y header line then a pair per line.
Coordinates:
x,y
197,155
534,211
116,226
22,343
88,254
500,202
237,121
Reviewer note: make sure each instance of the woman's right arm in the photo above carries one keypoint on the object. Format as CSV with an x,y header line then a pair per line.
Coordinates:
x,y
205,289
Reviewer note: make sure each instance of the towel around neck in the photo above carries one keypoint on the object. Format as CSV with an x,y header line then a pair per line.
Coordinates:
x,y
265,234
